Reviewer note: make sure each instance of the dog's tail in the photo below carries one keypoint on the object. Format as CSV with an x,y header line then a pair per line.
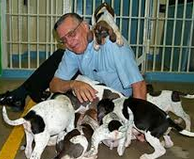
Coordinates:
x,y
16,122
180,129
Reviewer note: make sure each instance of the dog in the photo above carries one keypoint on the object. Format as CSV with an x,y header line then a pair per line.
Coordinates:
x,y
113,133
78,141
102,90
104,24
147,119
170,101
45,123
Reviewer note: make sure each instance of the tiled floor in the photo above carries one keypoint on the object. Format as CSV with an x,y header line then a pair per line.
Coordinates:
x,y
183,146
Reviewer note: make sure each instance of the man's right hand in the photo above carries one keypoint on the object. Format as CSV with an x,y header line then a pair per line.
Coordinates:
x,y
83,91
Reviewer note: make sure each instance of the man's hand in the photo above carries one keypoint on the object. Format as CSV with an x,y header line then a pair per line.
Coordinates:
x,y
83,91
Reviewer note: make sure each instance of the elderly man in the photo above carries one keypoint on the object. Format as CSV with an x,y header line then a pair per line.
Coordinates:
x,y
113,65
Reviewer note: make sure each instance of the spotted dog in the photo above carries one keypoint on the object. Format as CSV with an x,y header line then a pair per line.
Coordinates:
x,y
104,24
169,101
147,119
78,141
44,123
114,131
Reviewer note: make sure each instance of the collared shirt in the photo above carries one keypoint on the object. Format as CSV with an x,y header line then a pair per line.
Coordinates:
x,y
112,65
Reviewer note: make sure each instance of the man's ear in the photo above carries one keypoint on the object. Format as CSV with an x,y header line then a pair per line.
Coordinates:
x,y
56,36
112,35
85,25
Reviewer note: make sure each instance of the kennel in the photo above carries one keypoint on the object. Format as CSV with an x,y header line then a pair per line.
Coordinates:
x,y
159,31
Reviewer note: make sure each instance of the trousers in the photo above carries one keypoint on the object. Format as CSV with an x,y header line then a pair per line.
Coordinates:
x,y
41,77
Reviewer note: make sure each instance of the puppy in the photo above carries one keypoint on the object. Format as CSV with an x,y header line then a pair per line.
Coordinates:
x,y
104,24
147,119
78,141
102,92
112,132
44,123
170,101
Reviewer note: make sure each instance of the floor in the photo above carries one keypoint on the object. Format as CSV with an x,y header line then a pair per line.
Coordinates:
x,y
182,149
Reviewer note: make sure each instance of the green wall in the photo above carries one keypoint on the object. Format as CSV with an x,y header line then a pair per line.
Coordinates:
x,y
0,42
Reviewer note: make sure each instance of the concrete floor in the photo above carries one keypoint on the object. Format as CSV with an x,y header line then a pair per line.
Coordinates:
x,y
183,146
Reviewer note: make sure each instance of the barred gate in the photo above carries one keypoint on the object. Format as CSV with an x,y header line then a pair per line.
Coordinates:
x,y
159,31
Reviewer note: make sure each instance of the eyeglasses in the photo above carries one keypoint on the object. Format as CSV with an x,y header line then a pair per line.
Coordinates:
x,y
69,35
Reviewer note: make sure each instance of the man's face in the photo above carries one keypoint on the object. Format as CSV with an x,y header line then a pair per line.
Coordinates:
x,y
73,34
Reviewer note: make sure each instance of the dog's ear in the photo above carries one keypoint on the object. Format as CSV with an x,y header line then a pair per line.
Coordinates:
x,y
77,116
176,96
149,88
107,94
94,103
151,91
90,36
112,35
91,113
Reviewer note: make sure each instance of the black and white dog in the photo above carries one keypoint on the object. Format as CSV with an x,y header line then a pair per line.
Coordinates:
x,y
45,123
104,24
147,119
170,101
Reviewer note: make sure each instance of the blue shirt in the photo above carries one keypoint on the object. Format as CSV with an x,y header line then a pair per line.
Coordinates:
x,y
112,65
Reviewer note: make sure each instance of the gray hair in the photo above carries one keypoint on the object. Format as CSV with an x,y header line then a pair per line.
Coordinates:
x,y
64,16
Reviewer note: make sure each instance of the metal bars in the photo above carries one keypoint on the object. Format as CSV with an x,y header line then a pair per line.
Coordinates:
x,y
159,31
29,32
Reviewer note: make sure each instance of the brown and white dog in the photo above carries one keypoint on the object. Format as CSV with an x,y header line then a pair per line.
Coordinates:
x,y
78,141
44,123
104,24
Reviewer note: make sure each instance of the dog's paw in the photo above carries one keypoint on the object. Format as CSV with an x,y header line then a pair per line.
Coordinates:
x,y
120,150
178,121
120,41
28,153
91,153
167,142
93,157
96,46
127,143
146,156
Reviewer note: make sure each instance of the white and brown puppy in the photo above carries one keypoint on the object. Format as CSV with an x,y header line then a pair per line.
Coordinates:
x,y
104,24
170,101
147,119
112,132
78,141
44,123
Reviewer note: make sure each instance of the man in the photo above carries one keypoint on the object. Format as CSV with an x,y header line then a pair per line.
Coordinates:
x,y
112,65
